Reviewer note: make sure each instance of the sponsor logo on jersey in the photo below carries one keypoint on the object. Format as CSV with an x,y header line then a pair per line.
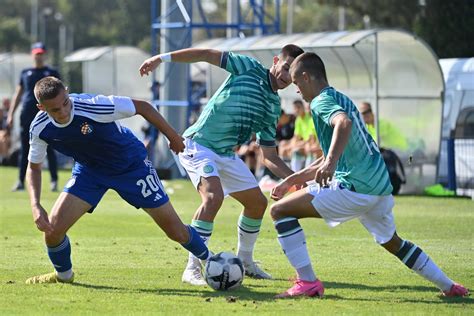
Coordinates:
x,y
208,169
86,128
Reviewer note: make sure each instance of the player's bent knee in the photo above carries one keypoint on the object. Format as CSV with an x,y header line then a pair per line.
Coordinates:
x,y
276,211
213,201
261,204
54,238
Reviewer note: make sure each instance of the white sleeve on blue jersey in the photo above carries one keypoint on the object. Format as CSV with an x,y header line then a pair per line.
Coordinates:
x,y
104,109
38,149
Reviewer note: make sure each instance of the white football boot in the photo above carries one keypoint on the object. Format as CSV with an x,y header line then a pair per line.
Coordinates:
x,y
192,274
254,271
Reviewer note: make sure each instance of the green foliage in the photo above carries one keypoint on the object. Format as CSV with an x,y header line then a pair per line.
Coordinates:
x,y
12,37
445,25
124,264
448,27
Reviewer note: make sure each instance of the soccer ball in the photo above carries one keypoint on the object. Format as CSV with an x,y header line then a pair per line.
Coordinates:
x,y
224,271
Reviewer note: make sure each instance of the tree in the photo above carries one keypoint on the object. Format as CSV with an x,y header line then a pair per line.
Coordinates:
x,y
12,37
448,27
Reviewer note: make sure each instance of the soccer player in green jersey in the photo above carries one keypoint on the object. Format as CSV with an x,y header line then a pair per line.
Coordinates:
x,y
246,103
351,182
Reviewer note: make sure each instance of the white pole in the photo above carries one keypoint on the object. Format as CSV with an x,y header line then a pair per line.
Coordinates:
x,y
289,17
34,21
342,18
376,87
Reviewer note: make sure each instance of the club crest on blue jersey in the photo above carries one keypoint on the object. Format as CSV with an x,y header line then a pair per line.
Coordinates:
x,y
86,128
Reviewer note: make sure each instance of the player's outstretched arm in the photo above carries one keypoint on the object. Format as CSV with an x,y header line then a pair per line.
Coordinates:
x,y
33,178
297,179
150,114
187,55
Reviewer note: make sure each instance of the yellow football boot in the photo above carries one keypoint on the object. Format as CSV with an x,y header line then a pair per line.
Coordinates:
x,y
48,278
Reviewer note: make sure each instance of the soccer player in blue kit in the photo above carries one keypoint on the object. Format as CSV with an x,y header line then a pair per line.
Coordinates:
x,y
107,156
351,182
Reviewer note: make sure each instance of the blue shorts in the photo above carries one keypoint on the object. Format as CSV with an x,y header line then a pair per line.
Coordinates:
x,y
140,187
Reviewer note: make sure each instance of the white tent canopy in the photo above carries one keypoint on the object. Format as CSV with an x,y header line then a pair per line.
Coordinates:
x,y
113,70
458,101
394,70
459,94
11,65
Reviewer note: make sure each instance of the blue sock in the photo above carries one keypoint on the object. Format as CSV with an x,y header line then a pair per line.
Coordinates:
x,y
196,245
60,256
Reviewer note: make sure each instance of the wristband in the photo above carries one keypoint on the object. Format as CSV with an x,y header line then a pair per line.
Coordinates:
x,y
166,57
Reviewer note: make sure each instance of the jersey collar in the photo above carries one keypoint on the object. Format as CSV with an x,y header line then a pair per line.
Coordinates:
x,y
325,89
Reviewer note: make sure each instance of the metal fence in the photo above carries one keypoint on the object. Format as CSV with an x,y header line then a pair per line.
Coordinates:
x,y
460,161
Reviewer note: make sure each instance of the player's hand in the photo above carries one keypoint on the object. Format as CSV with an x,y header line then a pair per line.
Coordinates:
x,y
177,144
149,65
41,219
325,173
280,190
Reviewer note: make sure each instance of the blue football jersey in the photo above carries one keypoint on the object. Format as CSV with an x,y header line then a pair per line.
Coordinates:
x,y
93,137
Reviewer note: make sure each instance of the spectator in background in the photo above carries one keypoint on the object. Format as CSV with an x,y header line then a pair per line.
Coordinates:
x,y
390,136
24,93
305,145
249,152
4,113
4,136
284,134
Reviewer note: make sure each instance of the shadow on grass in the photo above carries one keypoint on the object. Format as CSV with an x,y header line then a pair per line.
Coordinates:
x,y
436,298
245,293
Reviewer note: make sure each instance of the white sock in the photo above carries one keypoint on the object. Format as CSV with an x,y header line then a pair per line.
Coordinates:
x,y
247,230
294,247
417,260
66,275
425,267
306,273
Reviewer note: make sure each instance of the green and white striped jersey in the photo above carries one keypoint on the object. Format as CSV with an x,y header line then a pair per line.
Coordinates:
x,y
244,104
361,166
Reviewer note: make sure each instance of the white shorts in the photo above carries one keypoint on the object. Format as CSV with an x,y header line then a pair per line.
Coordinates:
x,y
200,161
337,205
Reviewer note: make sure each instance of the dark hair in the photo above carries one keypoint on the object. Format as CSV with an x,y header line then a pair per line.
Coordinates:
x,y
311,63
367,104
291,50
298,103
48,88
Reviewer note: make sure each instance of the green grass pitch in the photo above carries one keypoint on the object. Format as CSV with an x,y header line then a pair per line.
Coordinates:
x,y
124,264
